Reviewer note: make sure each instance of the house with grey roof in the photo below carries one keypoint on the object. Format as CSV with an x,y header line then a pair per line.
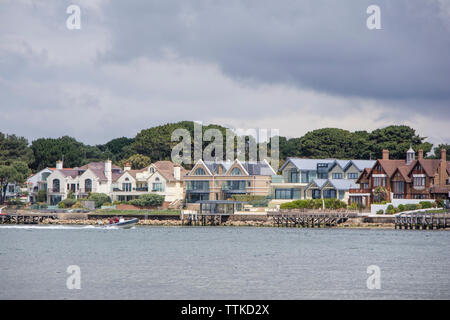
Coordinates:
x,y
316,178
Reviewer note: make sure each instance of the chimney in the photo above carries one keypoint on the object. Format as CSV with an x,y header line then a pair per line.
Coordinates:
x,y
443,155
420,155
59,165
108,171
127,167
385,154
177,172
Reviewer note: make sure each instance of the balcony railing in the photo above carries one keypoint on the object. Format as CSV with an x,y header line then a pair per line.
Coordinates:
x,y
141,189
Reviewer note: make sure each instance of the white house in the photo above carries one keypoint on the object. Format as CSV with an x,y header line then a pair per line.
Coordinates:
x,y
37,182
162,177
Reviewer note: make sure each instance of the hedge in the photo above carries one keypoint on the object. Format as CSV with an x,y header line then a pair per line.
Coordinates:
x,y
314,204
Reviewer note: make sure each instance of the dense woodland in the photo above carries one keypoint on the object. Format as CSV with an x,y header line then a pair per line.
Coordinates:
x,y
154,144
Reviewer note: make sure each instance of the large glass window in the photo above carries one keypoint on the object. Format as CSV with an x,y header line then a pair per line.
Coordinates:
x,y
200,172
236,185
293,176
198,185
329,193
336,175
236,172
287,194
157,187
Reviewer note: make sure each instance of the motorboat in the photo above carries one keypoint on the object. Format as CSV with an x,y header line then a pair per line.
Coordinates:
x,y
124,224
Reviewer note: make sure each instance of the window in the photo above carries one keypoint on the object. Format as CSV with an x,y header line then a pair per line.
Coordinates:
x,y
56,186
305,176
329,193
236,185
293,176
157,186
379,181
152,170
287,194
126,186
198,185
236,172
419,181
353,175
322,175
88,185
200,172
337,175
399,187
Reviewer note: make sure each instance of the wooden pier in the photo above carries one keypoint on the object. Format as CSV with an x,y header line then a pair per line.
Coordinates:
x,y
24,218
422,221
203,219
308,219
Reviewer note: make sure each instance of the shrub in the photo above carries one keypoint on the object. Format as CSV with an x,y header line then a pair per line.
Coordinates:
x,y
354,206
426,204
99,199
380,211
41,196
401,207
314,204
410,206
148,200
390,207
67,203
440,203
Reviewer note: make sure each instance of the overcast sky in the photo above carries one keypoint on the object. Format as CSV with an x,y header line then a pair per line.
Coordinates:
x,y
288,64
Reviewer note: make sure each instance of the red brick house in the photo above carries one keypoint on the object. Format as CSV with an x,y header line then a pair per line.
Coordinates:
x,y
405,179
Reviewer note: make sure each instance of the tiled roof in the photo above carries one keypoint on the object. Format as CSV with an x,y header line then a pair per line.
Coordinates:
x,y
165,168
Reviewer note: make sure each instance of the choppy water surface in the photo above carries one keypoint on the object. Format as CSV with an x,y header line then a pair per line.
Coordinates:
x,y
222,263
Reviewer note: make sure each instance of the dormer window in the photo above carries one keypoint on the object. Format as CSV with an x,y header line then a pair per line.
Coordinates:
x,y
152,170
127,179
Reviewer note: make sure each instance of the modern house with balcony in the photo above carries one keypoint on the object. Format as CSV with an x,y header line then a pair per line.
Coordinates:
x,y
404,179
316,179
220,180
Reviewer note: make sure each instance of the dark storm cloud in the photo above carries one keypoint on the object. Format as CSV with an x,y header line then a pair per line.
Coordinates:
x,y
323,45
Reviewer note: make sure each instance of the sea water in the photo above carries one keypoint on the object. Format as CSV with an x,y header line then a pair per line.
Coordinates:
x,y
222,263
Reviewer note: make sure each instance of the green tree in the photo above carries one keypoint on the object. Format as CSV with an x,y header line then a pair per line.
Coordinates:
x,y
397,139
17,172
136,161
14,148
118,149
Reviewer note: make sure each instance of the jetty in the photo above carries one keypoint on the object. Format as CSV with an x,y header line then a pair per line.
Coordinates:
x,y
304,219
423,221
24,218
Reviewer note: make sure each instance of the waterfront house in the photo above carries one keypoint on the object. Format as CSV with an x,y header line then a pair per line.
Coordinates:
x,y
404,179
220,180
38,182
162,177
317,178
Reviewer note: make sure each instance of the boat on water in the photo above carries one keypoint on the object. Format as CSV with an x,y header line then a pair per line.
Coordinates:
x,y
124,224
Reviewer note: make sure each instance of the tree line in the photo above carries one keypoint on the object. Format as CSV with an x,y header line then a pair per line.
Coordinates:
x,y
154,144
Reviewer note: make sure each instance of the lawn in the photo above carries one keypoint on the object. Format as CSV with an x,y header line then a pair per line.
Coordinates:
x,y
115,212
